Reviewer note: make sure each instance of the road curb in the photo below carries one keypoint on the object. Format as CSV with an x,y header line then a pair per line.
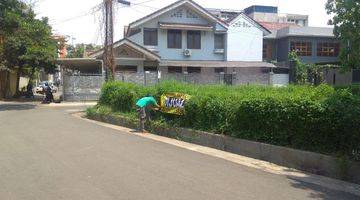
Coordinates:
x,y
293,174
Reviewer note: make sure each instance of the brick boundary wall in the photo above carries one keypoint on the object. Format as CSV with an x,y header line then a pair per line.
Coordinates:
x,y
87,87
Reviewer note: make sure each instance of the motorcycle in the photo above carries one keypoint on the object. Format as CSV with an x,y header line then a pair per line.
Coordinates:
x,y
48,95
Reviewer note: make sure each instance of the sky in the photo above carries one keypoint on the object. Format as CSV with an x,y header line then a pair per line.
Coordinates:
x,y
81,21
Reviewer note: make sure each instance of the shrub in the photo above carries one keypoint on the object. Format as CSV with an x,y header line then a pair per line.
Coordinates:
x,y
318,119
119,96
354,89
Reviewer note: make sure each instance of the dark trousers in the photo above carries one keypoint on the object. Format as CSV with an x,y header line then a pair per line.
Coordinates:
x,y
143,117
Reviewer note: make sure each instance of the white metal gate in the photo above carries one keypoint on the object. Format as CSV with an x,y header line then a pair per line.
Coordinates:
x,y
281,79
84,87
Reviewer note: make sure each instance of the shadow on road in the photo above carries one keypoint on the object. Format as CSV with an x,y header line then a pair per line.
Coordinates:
x,y
10,107
320,192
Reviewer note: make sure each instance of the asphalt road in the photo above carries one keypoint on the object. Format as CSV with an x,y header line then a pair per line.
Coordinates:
x,y
45,153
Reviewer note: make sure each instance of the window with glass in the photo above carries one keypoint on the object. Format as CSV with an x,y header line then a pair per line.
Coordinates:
x,y
150,37
194,39
172,70
174,39
191,70
265,46
150,68
134,31
219,70
301,48
126,68
219,41
328,49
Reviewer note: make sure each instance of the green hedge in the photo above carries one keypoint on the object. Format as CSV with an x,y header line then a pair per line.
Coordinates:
x,y
319,119
354,89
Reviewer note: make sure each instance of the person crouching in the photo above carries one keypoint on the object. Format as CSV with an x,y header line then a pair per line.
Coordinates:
x,y
144,105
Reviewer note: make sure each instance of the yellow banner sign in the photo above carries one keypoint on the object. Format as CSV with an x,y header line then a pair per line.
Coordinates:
x,y
174,103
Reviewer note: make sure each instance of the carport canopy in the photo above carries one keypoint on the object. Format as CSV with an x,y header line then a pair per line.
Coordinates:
x,y
82,65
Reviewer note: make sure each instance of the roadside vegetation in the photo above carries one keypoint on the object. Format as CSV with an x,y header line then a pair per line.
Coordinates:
x,y
354,89
320,119
26,43
345,18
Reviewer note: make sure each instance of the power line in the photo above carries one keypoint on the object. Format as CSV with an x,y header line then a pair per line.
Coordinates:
x,y
98,8
92,11
136,10
99,32
72,18
143,2
148,6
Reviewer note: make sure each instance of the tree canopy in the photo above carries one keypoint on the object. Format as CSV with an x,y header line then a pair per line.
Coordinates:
x,y
304,73
81,50
346,21
26,42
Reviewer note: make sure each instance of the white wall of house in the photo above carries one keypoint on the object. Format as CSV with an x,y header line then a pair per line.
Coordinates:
x,y
245,41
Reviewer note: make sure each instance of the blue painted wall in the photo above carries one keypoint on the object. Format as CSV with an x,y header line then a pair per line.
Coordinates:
x,y
207,37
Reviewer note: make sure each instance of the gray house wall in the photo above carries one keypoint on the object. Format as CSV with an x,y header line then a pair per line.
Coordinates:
x,y
337,77
283,47
331,76
274,50
207,38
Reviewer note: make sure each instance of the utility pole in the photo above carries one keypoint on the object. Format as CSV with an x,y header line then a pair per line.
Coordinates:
x,y
108,56
84,53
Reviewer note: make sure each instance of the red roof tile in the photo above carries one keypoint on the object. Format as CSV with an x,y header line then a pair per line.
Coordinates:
x,y
277,25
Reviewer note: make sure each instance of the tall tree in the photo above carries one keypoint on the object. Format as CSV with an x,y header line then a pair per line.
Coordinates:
x,y
27,43
75,51
346,20
81,50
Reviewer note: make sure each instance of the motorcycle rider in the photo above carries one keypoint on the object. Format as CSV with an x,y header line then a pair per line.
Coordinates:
x,y
48,93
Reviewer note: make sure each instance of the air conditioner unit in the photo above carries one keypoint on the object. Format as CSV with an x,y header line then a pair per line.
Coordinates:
x,y
187,52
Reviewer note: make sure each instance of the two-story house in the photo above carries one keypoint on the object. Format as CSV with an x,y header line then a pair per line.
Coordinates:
x,y
313,45
186,41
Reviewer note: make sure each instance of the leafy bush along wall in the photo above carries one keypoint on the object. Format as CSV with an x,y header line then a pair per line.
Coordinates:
x,y
318,119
